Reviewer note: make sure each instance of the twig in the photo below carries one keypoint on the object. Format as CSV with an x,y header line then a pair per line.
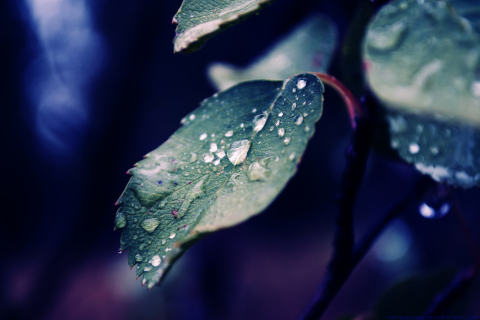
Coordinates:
x,y
459,286
340,265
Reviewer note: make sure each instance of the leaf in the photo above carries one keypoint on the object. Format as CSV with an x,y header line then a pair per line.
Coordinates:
x,y
230,159
431,96
198,20
423,57
307,48
414,294
449,153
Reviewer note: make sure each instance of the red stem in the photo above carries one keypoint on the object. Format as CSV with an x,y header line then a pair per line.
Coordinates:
x,y
353,106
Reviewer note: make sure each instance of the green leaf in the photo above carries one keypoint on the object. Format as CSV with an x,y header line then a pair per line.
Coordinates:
x,y
230,159
449,153
307,48
432,97
424,58
199,20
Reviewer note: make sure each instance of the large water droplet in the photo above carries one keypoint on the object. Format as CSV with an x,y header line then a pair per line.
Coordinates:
x,y
259,122
258,170
150,224
301,83
156,261
238,151
203,136
386,37
120,219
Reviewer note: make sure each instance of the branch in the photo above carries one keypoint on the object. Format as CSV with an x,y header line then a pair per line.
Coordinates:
x,y
340,265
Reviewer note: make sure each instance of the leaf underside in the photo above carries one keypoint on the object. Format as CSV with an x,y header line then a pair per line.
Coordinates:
x,y
309,47
230,159
198,20
431,96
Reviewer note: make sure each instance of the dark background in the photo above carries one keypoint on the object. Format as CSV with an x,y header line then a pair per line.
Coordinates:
x,y
88,88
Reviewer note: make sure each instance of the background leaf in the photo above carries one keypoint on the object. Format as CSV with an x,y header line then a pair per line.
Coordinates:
x,y
309,47
432,98
228,161
199,20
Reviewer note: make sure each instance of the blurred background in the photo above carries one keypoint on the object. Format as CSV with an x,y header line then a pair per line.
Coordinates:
x,y
89,87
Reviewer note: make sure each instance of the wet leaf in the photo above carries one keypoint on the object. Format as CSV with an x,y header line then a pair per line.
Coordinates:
x,y
198,20
423,57
229,160
307,48
432,98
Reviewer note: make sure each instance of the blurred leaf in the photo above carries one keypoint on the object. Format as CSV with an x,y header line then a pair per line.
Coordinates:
x,y
308,48
448,152
432,97
414,294
198,20
424,57
229,160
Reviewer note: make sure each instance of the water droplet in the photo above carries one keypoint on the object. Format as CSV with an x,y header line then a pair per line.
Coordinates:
x,y
386,37
305,114
294,90
208,157
172,236
258,170
280,114
229,133
307,128
168,249
220,154
150,224
144,281
277,123
395,143
238,151
203,136
156,261
120,219
254,110
413,148
434,150
433,213
135,237
213,147
146,269
216,162
294,105
120,251
301,84
242,125
298,120
281,132
183,120
138,257
193,158
259,122
192,117
164,241
436,202
291,156
286,141
271,128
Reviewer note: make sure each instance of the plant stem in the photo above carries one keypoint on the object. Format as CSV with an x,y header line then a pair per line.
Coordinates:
x,y
353,106
340,265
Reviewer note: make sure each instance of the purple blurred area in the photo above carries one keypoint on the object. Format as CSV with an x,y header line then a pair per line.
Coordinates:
x,y
88,88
